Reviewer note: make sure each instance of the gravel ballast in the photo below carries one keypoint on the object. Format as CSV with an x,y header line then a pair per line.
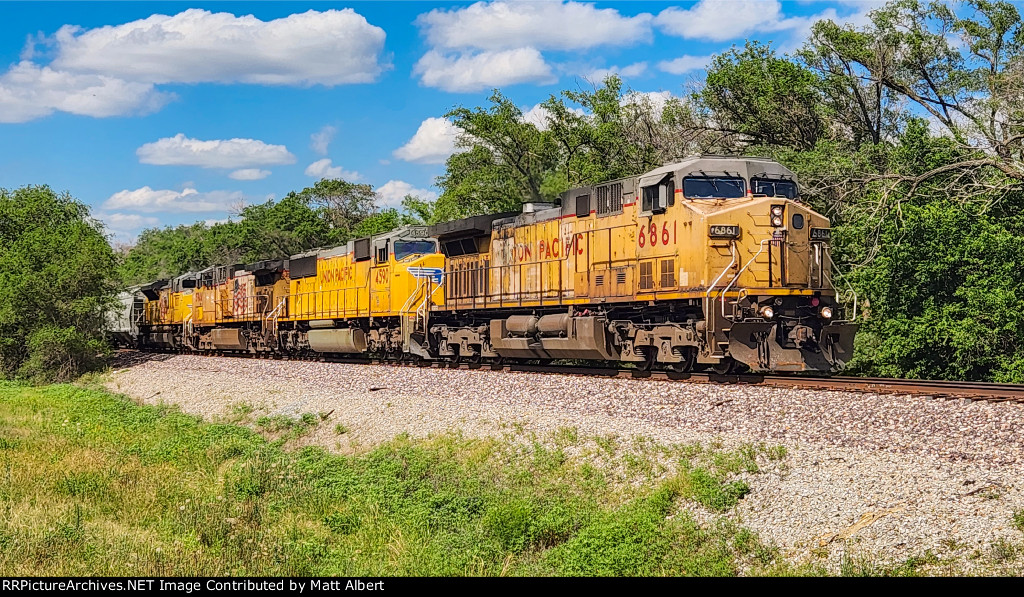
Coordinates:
x,y
889,477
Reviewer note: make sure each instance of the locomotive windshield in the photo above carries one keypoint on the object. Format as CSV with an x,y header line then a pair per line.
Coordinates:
x,y
708,187
774,187
405,248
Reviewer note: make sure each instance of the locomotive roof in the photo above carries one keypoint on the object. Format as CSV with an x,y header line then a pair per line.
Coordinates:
x,y
708,165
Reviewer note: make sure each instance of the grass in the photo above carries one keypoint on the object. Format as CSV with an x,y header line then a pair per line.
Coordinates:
x,y
93,484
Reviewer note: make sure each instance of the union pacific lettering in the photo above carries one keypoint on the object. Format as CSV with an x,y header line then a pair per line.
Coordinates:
x,y
571,244
338,273
556,248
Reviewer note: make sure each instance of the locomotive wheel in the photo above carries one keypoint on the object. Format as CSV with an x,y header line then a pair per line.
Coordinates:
x,y
688,357
650,355
725,366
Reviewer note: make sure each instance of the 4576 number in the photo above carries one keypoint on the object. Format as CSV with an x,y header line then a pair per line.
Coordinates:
x,y
651,234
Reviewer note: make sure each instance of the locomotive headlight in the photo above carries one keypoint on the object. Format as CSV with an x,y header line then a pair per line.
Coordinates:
x,y
776,210
767,312
777,221
826,312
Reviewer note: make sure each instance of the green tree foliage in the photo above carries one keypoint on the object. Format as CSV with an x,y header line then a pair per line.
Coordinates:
x,y
507,162
765,98
345,204
585,136
55,285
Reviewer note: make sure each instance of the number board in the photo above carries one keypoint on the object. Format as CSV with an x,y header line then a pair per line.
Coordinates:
x,y
724,231
821,234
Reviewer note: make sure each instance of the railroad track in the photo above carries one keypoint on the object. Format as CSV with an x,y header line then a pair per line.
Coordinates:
x,y
937,389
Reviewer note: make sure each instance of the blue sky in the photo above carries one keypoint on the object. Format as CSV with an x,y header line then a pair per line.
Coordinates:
x,y
161,113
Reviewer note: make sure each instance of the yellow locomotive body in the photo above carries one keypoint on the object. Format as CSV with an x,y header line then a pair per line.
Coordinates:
x,y
709,261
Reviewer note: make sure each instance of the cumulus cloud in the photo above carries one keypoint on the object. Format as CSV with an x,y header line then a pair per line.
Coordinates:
x,y
709,20
543,25
180,150
120,223
28,91
468,72
632,70
113,70
249,174
329,48
433,142
393,192
324,169
684,64
319,140
146,199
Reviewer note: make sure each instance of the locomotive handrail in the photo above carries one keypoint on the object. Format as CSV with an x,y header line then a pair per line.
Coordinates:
x,y
843,278
273,314
711,288
740,273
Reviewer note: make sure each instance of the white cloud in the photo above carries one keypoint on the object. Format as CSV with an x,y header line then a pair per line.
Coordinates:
x,y
392,192
249,174
718,21
147,199
319,140
467,72
326,48
119,222
28,91
538,115
433,142
684,64
211,222
180,150
543,25
632,70
125,228
324,169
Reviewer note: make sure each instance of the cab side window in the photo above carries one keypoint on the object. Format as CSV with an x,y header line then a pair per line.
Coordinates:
x,y
656,197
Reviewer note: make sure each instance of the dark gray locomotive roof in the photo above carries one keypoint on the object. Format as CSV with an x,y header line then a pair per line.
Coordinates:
x,y
704,165
473,226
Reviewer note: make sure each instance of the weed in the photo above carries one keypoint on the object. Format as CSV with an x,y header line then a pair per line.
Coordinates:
x,y
1018,520
713,492
1002,551
340,429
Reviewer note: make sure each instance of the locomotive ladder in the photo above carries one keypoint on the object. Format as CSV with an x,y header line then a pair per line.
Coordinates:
x,y
187,330
272,320
414,316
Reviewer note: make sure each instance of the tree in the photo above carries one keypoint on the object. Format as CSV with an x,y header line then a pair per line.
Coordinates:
x,y
972,91
346,203
277,230
55,285
764,98
508,160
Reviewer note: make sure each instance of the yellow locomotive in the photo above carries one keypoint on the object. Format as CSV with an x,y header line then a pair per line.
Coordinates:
x,y
712,261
